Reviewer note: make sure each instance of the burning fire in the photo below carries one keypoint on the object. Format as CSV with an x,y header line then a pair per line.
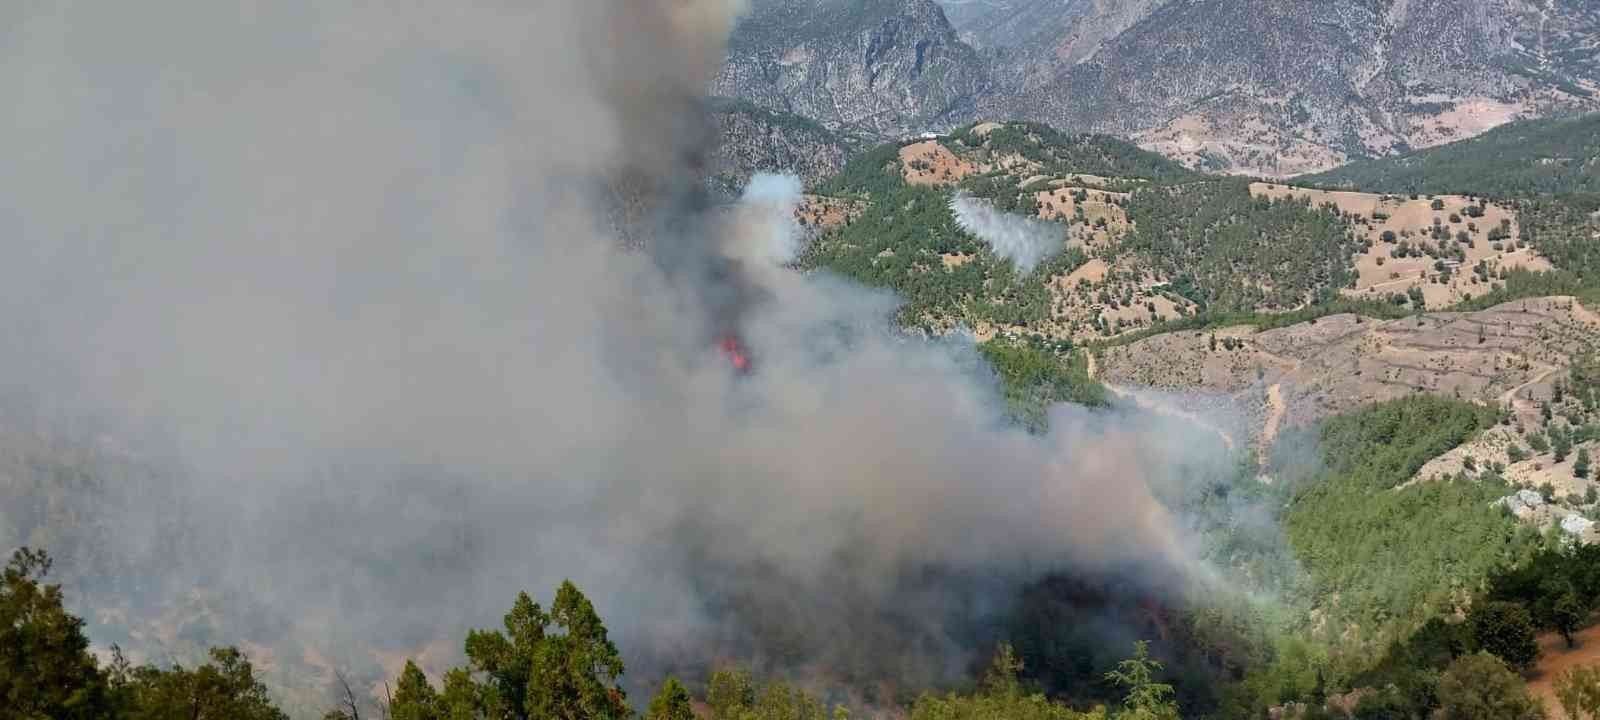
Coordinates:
x,y
734,351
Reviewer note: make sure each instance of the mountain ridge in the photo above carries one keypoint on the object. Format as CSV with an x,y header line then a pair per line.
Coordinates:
x,y
1243,86
886,67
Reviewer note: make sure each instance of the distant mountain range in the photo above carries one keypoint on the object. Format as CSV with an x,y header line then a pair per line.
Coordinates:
x,y
1271,87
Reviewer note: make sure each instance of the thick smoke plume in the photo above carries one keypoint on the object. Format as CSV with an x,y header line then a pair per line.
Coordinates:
x,y
368,315
1024,241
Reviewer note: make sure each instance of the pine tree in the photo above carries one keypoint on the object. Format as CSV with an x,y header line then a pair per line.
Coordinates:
x,y
225,687
1482,687
1146,698
507,658
1560,445
1567,613
414,697
575,674
671,702
46,670
1505,629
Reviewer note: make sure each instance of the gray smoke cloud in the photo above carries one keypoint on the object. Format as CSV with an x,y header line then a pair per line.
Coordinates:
x,y
367,316
1024,241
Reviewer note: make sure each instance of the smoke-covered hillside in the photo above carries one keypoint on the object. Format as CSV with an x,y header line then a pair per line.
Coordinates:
x,y
751,140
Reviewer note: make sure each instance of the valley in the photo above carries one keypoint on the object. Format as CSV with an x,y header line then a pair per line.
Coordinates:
x,y
802,360
1266,314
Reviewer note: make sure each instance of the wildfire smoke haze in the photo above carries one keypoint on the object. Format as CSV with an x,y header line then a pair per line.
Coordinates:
x,y
341,280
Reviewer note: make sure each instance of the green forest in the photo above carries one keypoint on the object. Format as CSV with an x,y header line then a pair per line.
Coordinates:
x,y
1035,375
1551,156
897,241
1230,252
1060,153
1383,574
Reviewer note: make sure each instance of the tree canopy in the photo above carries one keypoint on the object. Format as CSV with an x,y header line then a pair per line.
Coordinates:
x,y
47,672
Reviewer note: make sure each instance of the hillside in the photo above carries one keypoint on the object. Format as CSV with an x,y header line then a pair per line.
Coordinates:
x,y
751,139
1556,155
1132,239
1545,171
887,67
1253,309
1278,88
1513,354
1436,251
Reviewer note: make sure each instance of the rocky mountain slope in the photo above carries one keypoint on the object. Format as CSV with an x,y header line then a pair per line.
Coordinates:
x,y
888,67
751,139
1280,87
1260,86
1033,30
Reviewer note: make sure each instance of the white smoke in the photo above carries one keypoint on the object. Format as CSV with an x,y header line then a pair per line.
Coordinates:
x,y
767,206
1024,241
351,282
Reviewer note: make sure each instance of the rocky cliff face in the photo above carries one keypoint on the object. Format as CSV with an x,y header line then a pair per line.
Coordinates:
x,y
1029,30
751,139
883,67
1270,87
1283,86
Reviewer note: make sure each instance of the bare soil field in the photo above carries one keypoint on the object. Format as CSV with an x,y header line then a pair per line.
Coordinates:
x,y
1465,118
821,212
1093,271
930,163
1511,353
1245,145
1530,469
1109,296
983,129
1555,659
1097,182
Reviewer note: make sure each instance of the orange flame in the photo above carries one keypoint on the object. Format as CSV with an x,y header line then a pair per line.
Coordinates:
x,y
735,353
